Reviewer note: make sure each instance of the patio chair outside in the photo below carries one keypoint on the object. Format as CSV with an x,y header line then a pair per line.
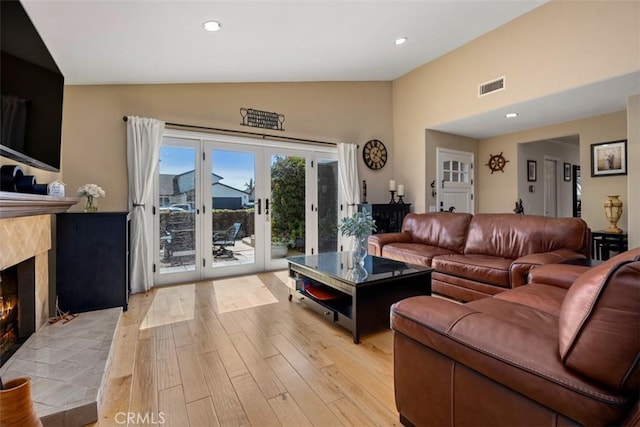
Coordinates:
x,y
225,239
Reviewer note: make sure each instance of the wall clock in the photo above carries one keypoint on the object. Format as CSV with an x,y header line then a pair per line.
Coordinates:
x,y
374,154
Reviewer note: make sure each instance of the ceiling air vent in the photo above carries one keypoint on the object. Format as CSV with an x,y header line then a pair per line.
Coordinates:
x,y
491,86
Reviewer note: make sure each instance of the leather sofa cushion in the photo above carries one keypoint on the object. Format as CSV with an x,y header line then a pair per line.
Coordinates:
x,y
512,236
544,298
483,268
518,313
413,253
447,230
601,316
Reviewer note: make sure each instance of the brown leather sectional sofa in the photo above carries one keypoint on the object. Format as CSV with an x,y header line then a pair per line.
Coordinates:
x,y
561,350
477,256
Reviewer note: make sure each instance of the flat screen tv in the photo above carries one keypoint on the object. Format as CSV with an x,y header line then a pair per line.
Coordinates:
x,y
32,88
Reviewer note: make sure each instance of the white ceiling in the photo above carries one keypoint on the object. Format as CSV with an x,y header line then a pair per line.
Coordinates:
x,y
160,41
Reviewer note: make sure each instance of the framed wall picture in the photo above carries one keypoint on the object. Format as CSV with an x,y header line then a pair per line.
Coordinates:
x,y
532,170
609,158
567,171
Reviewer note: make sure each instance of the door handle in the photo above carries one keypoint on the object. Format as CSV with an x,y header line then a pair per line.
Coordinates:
x,y
266,207
259,206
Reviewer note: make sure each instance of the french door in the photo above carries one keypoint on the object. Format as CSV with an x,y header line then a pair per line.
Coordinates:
x,y
229,206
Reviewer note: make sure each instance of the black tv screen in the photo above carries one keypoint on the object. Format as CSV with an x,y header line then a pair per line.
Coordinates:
x,y
32,89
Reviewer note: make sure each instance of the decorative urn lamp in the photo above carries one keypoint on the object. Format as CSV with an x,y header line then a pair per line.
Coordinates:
x,y
613,211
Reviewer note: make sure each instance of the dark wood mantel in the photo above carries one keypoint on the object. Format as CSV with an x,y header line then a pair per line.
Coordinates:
x,y
14,205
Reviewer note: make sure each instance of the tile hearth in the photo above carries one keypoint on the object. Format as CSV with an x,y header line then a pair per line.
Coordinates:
x,y
68,365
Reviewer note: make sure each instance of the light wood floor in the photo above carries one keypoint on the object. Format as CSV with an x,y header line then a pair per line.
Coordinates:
x,y
236,352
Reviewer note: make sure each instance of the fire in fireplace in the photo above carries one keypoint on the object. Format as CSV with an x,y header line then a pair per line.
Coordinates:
x,y
8,314
17,307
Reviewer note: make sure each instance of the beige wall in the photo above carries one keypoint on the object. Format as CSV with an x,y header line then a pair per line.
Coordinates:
x,y
95,134
557,46
500,190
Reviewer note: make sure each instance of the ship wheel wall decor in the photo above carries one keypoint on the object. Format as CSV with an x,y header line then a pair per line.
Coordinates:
x,y
497,163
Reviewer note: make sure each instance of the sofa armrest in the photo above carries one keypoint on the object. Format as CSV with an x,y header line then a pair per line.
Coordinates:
x,y
377,241
521,267
560,275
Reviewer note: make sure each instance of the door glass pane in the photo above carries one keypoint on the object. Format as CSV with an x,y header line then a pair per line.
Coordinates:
x,y
327,205
287,205
176,208
232,214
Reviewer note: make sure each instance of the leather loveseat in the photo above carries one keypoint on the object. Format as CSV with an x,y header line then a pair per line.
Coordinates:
x,y
477,256
562,350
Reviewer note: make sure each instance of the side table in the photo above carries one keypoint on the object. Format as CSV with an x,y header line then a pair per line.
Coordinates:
x,y
602,243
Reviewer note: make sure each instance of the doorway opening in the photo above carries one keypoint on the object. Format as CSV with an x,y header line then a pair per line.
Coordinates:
x,y
546,191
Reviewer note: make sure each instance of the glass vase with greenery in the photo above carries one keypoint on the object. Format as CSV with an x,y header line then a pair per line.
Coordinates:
x,y
359,226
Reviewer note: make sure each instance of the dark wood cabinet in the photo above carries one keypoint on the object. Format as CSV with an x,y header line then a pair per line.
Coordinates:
x,y
92,261
388,216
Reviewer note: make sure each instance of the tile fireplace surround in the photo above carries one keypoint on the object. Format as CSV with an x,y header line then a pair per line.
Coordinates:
x,y
67,363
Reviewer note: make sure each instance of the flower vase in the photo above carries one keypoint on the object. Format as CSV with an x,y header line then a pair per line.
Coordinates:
x,y
359,251
92,204
16,404
613,212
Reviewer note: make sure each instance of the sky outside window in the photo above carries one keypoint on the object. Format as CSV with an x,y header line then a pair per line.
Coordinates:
x,y
235,167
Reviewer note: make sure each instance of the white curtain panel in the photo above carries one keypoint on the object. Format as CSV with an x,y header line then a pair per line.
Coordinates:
x,y
144,138
348,169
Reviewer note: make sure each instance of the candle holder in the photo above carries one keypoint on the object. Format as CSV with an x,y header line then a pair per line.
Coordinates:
x,y
400,201
393,197
364,191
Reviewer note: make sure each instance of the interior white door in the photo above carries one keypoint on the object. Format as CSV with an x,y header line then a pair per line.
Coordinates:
x,y
550,187
455,180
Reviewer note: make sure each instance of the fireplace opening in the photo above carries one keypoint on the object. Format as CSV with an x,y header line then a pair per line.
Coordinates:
x,y
17,307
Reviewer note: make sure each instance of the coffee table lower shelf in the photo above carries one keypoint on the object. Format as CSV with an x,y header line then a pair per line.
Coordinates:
x,y
359,308
339,313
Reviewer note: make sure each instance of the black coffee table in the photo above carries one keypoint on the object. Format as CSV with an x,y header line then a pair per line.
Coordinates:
x,y
358,299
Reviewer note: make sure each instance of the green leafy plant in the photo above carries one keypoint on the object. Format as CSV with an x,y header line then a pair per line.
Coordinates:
x,y
281,241
360,224
288,197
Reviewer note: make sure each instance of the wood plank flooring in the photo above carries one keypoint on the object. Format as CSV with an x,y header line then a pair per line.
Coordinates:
x,y
215,354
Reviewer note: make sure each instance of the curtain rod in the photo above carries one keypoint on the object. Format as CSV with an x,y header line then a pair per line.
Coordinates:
x,y
244,132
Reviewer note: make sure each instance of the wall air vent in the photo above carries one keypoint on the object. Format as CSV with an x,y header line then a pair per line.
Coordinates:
x,y
491,86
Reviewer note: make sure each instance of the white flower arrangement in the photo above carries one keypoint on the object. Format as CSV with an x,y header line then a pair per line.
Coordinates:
x,y
91,190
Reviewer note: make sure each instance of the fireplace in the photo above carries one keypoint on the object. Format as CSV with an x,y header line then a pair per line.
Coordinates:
x,y
24,259
17,307
72,360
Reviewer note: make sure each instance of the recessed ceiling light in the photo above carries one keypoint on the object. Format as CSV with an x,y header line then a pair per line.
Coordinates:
x,y
212,26
400,41
511,115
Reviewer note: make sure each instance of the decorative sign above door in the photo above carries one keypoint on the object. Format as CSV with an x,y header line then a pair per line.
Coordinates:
x,y
261,119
